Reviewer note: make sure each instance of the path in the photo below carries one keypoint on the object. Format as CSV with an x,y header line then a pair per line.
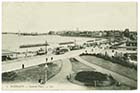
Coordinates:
x,y
60,81
116,76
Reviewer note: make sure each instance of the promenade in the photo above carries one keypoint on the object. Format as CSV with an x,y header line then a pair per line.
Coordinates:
x,y
36,60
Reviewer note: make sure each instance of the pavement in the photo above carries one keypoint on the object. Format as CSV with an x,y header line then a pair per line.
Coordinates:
x,y
36,60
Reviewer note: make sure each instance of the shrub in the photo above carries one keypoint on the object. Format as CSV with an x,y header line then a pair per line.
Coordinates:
x,y
7,76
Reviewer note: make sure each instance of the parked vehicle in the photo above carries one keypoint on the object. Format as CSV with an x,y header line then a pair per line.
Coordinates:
x,y
41,52
61,50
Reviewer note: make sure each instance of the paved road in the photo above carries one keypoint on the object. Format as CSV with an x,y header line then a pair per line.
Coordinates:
x,y
60,82
117,76
35,60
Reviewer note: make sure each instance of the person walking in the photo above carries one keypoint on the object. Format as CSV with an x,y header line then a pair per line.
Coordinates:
x,y
22,66
51,58
46,59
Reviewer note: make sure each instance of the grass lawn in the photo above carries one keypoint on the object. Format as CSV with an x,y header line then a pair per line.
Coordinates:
x,y
33,74
78,66
131,73
53,69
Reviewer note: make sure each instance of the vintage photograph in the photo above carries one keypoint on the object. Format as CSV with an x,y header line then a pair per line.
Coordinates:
x,y
69,46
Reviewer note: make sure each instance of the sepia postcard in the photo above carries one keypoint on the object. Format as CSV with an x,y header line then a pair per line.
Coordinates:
x,y
69,46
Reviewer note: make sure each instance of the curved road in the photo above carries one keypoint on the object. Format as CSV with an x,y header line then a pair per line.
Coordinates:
x,y
60,81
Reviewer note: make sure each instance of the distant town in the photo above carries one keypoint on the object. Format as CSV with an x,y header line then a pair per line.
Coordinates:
x,y
99,34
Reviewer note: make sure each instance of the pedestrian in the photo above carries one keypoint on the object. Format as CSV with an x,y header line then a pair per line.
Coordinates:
x,y
22,66
68,77
46,59
41,81
51,58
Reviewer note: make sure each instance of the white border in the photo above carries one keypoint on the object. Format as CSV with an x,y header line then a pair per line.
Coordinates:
x,y
95,91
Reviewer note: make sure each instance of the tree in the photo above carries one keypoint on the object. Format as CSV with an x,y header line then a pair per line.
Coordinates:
x,y
51,32
126,32
132,37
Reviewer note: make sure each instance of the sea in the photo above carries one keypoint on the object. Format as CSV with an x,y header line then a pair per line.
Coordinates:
x,y
12,42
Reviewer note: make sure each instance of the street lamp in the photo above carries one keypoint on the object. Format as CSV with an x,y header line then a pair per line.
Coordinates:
x,y
45,73
46,44
43,78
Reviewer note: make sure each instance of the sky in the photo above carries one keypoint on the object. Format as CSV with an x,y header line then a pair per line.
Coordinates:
x,y
59,16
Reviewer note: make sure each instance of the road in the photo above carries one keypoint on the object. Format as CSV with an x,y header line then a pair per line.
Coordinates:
x,y
116,76
36,60
60,81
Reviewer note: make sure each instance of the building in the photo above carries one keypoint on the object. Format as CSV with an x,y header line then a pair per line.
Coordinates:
x,y
97,34
131,45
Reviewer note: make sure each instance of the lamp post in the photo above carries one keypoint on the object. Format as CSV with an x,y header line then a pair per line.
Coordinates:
x,y
45,73
44,76
46,44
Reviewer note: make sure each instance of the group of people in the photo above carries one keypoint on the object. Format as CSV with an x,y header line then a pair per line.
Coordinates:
x,y
47,59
